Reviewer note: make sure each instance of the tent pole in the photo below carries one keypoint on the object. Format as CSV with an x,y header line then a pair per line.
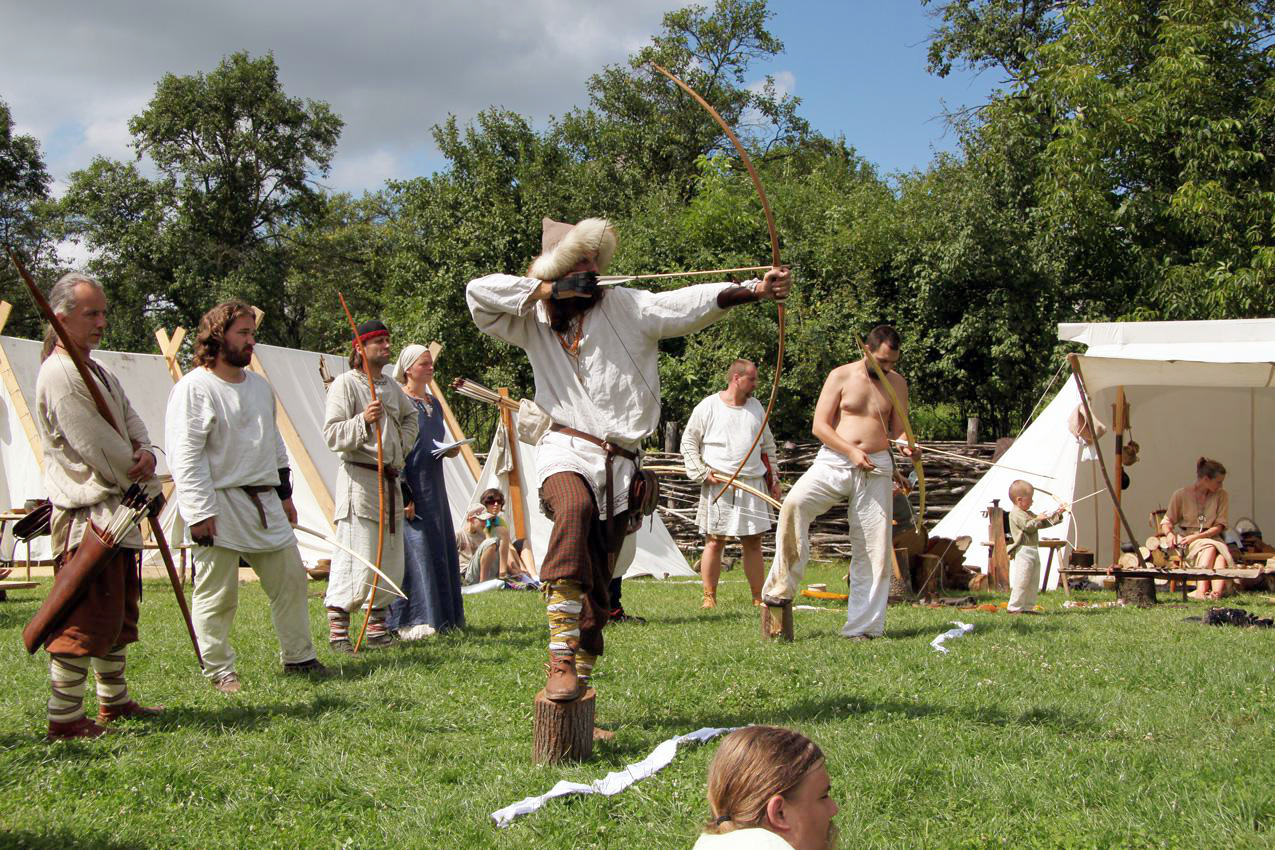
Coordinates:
x,y
168,346
1074,360
515,470
1119,424
15,394
466,451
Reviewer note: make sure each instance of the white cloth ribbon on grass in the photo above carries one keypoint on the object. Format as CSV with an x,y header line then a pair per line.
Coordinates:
x,y
482,587
615,781
961,630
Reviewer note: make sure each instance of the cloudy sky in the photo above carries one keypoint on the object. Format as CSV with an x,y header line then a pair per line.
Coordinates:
x,y
73,73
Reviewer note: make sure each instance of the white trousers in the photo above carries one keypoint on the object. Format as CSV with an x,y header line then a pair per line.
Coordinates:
x,y
216,598
350,582
1024,579
829,480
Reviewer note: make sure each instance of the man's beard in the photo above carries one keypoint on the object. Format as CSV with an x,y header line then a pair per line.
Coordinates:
x,y
562,313
237,357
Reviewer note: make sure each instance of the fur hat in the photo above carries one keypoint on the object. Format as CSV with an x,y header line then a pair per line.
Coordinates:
x,y
563,245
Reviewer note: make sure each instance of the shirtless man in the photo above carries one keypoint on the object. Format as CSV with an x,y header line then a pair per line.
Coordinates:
x,y
855,421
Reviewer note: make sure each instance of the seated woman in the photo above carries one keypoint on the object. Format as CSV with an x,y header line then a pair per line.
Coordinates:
x,y
1196,518
483,543
768,789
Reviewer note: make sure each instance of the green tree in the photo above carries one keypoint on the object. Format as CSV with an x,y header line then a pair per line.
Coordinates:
x,y
639,126
24,194
235,158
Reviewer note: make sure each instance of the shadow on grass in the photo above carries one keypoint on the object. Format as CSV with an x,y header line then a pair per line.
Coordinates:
x,y
847,706
62,840
238,717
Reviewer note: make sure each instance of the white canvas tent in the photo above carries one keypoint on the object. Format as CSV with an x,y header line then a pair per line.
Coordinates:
x,y
298,383
146,381
657,555
1193,388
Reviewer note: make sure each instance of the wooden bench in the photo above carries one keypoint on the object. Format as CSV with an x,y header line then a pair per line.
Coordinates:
x,y
1179,575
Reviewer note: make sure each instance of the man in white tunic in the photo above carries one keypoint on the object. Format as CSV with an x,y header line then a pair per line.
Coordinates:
x,y
350,423
721,428
595,356
856,421
234,491
88,465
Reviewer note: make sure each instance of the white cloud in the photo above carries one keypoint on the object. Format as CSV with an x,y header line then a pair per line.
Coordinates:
x,y
785,83
74,73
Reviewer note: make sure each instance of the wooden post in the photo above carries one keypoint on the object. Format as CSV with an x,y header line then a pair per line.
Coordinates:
x,y
776,622
671,443
563,731
998,556
15,393
515,470
292,439
1119,419
169,346
466,451
971,431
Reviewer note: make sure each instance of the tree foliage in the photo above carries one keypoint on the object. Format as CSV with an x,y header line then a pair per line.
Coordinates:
x,y
235,158
1123,170
24,225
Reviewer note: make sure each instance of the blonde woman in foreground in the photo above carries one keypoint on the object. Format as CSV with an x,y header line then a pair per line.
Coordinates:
x,y
768,789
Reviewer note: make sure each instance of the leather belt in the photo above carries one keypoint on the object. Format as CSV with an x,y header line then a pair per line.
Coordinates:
x,y
610,450
254,492
391,490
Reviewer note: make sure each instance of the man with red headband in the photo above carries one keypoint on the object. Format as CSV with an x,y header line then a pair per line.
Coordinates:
x,y
350,424
595,354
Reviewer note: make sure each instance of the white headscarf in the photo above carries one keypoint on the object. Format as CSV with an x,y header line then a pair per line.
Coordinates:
x,y
406,358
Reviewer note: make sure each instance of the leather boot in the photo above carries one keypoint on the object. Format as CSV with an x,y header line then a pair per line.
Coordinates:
x,y
107,713
75,729
563,685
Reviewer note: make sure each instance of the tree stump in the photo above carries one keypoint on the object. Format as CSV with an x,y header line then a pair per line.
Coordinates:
x,y
776,622
929,572
1136,591
563,731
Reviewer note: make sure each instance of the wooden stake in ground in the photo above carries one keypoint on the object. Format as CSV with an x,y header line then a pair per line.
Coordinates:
x,y
776,622
563,731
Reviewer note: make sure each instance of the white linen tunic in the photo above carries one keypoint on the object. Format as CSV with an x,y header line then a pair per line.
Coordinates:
x,y
353,438
715,439
221,437
86,461
611,390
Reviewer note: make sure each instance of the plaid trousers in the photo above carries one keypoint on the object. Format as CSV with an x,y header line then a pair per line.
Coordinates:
x,y
578,550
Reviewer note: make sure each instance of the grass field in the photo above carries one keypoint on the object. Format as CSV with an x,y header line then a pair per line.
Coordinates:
x,y
1081,728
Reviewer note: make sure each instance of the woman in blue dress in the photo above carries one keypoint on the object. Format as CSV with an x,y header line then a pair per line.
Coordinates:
x,y
431,574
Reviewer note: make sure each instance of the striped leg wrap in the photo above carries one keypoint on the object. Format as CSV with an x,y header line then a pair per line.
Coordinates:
x,y
109,673
376,625
338,624
563,603
584,666
67,675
